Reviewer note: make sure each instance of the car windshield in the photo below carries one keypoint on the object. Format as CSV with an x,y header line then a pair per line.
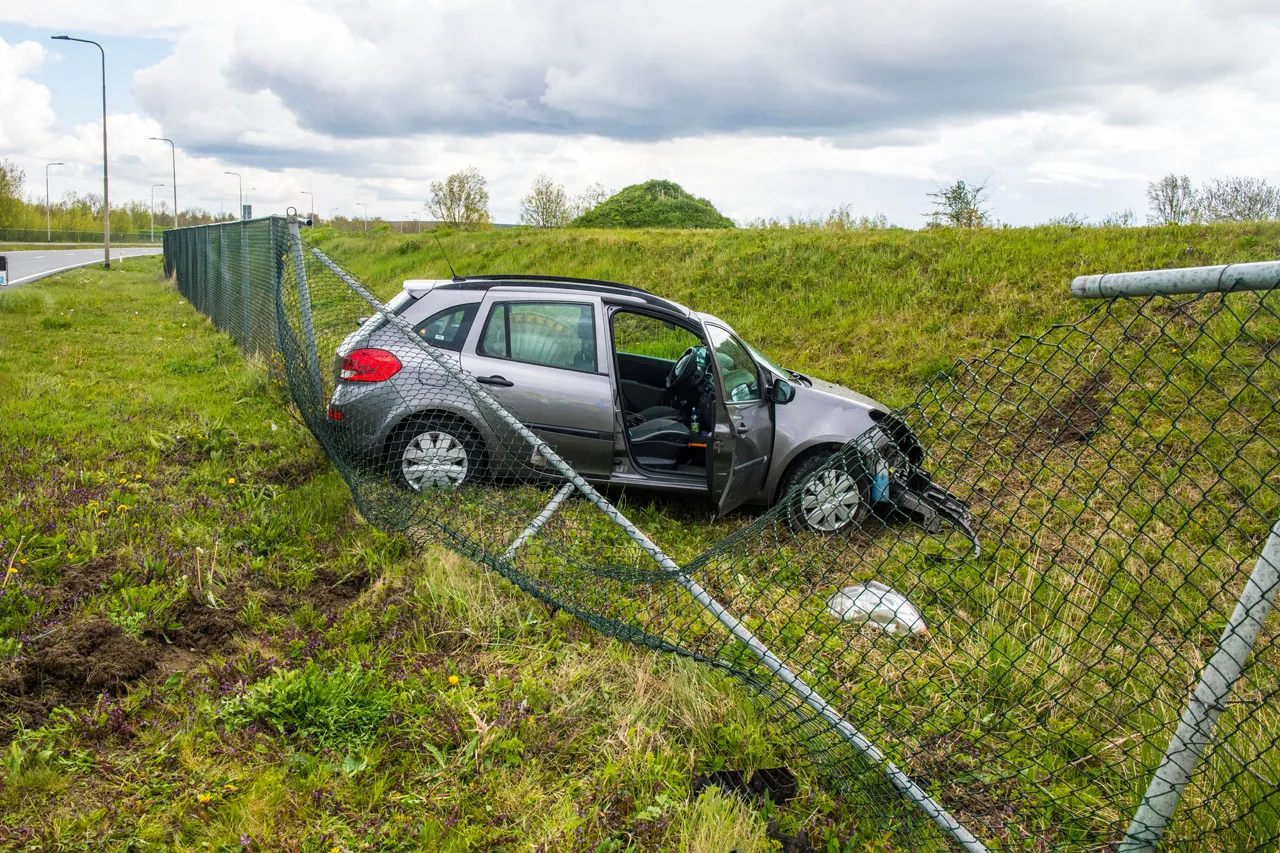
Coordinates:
x,y
762,359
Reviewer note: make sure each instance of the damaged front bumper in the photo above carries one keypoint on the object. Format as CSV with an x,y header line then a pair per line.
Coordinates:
x,y
931,506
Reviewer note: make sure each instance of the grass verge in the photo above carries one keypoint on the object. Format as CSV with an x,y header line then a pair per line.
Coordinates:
x,y
204,648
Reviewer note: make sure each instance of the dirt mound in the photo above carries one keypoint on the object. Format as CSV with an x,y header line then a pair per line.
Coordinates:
x,y
74,664
203,628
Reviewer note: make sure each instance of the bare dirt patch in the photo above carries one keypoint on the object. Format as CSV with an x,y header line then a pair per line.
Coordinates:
x,y
1080,413
73,665
295,472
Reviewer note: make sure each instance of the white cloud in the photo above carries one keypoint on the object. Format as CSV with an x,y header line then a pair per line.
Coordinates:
x,y
767,107
26,113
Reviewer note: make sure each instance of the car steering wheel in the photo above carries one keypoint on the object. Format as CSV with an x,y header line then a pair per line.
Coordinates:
x,y
689,370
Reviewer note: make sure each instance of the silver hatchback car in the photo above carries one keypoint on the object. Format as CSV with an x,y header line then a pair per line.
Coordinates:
x,y
632,390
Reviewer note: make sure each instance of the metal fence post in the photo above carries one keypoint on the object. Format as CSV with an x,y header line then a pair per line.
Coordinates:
x,y
1200,718
304,298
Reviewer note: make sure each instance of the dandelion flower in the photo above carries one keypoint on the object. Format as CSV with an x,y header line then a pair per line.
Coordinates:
x,y
137,476
453,679
231,481
124,479
204,798
12,570
101,512
229,788
122,508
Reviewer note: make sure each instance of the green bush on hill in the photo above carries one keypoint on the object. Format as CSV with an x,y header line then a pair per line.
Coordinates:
x,y
654,204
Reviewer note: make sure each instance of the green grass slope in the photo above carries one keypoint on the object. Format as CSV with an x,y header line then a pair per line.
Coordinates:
x,y
882,311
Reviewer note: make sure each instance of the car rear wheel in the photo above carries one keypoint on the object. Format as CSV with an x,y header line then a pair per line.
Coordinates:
x,y
437,453
827,499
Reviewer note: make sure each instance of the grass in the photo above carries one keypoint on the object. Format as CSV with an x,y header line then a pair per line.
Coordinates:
x,y
1065,653
881,311
278,674
483,719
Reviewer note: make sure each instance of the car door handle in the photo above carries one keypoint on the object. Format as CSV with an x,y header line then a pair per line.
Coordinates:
x,y
500,381
742,430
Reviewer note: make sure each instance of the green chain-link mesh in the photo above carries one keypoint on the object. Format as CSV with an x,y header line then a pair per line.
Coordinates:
x,y
1121,475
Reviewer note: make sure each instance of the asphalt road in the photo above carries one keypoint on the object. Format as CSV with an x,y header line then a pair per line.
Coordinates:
x,y
26,267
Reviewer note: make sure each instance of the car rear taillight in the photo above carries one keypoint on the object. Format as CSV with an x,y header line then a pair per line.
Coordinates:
x,y
335,414
369,365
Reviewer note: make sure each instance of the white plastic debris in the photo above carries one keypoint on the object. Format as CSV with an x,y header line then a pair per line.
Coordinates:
x,y
880,605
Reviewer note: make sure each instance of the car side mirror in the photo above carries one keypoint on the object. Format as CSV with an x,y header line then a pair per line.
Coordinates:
x,y
782,391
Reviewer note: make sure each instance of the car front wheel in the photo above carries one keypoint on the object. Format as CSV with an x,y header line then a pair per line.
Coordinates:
x,y
440,453
827,498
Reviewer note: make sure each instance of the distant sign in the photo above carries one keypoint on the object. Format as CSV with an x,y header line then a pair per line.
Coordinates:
x,y
4,270
246,211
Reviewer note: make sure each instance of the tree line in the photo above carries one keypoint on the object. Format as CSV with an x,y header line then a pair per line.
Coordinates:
x,y
83,211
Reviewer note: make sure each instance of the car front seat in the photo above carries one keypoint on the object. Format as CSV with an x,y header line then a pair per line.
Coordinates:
x,y
658,443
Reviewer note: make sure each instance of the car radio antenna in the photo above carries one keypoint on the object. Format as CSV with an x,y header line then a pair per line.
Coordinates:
x,y
445,255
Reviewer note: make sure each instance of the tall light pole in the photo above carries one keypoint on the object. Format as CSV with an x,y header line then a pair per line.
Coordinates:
x,y
173,157
153,211
241,184
312,212
366,213
106,198
48,209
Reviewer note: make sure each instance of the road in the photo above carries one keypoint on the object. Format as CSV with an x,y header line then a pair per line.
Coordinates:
x,y
26,267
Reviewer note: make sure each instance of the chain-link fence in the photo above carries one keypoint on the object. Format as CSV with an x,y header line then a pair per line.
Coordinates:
x,y
981,619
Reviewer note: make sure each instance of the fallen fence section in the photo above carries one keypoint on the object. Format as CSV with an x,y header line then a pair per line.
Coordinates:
x,y
1121,475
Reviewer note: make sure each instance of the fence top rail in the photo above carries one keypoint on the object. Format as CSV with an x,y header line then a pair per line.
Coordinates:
x,y
225,224
1224,278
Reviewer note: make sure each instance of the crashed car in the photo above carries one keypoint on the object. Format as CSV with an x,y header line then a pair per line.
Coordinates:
x,y
631,389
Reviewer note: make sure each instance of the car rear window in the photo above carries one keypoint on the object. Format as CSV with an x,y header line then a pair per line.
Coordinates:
x,y
448,329
555,334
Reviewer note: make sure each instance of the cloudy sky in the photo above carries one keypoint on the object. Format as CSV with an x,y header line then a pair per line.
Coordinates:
x,y
767,108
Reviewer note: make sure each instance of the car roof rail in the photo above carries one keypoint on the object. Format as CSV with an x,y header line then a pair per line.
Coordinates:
x,y
484,282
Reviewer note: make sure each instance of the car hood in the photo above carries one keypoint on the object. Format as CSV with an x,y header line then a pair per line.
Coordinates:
x,y
831,389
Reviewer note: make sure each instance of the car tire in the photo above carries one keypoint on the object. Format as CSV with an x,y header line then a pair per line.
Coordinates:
x,y
441,452
823,498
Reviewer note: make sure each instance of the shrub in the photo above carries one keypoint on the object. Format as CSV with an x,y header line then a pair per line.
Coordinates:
x,y
655,204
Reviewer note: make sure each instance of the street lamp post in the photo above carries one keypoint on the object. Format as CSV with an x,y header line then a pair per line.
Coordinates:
x,y
106,198
241,185
366,213
48,209
153,211
312,212
173,157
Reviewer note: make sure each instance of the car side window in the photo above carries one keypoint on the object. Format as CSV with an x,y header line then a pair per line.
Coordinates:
x,y
448,329
555,334
737,367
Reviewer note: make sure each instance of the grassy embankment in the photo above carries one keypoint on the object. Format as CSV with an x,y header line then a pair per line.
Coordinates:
x,y
882,311
162,494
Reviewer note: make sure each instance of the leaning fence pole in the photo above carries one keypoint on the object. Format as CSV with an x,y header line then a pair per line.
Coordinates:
x,y
1200,719
304,300
905,786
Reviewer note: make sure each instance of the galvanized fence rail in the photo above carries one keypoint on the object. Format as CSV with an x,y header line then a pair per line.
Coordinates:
x,y
1122,479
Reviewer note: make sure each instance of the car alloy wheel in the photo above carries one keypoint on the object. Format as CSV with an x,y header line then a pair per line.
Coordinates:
x,y
830,501
434,460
